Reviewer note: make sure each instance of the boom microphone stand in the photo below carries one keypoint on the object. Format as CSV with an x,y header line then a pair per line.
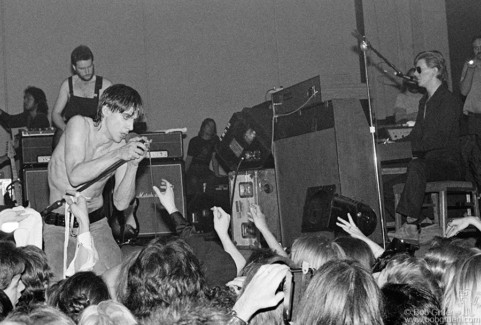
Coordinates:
x,y
364,47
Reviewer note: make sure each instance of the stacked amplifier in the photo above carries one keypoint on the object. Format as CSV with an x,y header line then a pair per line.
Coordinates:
x,y
164,161
35,153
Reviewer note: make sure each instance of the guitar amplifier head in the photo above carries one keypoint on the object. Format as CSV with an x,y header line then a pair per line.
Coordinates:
x,y
166,145
36,150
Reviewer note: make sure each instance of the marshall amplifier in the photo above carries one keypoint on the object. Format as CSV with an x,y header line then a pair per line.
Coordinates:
x,y
166,145
36,146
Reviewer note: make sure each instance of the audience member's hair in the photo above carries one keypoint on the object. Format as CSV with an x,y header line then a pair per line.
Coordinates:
x,y
107,312
189,313
411,270
118,98
39,97
341,292
38,314
81,53
121,291
78,292
462,292
405,305
315,250
259,256
36,276
221,297
440,257
434,59
357,250
12,263
165,271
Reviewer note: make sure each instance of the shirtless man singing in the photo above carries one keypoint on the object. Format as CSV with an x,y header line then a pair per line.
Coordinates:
x,y
87,148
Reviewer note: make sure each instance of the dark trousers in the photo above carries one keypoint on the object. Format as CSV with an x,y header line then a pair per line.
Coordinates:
x,y
419,172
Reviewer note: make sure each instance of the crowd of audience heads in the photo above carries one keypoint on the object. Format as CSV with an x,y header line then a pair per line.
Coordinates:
x,y
164,282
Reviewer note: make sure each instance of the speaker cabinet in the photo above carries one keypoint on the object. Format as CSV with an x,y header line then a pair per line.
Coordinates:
x,y
340,153
35,187
258,187
152,217
36,149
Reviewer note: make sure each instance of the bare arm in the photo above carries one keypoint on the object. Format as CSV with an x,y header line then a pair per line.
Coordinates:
x,y
456,225
86,255
105,84
80,168
221,226
62,99
259,220
124,190
467,78
351,228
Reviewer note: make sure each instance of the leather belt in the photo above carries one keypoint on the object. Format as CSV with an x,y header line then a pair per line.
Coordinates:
x,y
58,219
476,115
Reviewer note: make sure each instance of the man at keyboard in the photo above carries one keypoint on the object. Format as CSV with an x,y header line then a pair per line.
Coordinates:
x,y
434,140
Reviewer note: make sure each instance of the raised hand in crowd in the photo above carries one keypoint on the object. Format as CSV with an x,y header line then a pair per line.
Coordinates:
x,y
166,196
459,224
221,227
351,228
78,206
262,292
259,219
86,254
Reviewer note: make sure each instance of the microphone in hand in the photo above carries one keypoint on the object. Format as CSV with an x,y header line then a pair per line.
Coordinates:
x,y
131,137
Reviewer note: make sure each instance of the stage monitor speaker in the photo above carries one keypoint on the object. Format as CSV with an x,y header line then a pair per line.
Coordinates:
x,y
152,217
35,187
253,187
323,206
340,153
247,140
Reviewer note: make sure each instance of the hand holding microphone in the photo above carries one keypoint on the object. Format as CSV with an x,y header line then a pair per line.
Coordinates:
x,y
135,149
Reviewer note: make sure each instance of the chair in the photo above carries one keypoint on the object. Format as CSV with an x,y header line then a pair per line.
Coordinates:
x,y
439,196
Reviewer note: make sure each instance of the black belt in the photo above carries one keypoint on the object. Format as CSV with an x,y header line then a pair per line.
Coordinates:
x,y
58,219
477,115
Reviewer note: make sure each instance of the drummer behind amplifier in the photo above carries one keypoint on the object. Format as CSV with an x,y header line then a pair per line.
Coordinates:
x,y
165,145
36,150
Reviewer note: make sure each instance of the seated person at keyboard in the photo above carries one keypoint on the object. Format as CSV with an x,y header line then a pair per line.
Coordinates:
x,y
434,139
407,102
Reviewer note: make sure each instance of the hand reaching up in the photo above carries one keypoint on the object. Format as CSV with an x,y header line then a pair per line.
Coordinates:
x,y
350,227
257,217
261,292
166,195
78,207
221,221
